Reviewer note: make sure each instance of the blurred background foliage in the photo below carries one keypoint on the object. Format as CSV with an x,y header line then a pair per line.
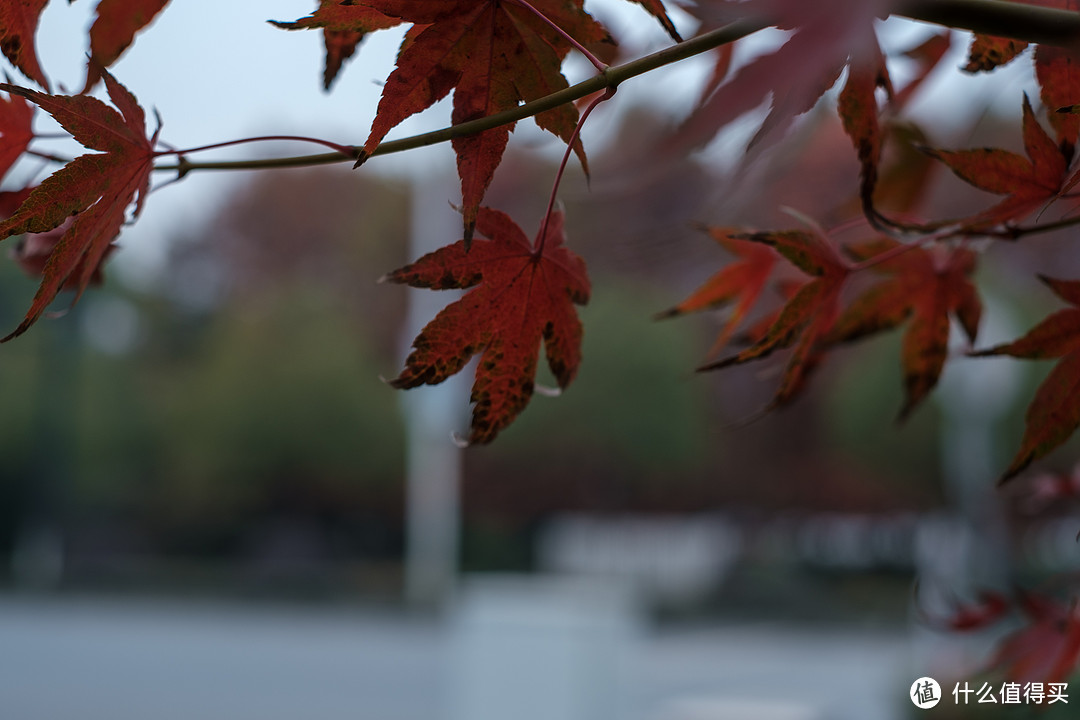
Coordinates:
x,y
232,412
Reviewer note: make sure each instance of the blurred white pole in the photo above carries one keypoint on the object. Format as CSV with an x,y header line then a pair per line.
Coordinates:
x,y
967,550
975,397
432,413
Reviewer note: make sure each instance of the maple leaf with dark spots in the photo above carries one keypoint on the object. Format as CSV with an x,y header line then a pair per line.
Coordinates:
x,y
344,26
520,294
988,52
1029,183
806,317
858,110
924,291
1054,413
494,55
95,189
18,26
739,282
114,28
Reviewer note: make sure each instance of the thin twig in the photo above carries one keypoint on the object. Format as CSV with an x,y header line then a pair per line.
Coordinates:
x,y
597,62
608,94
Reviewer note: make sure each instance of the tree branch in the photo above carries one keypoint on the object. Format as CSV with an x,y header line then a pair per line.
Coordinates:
x,y
994,17
610,78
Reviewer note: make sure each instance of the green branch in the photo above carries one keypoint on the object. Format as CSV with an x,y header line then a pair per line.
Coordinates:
x,y
610,78
993,17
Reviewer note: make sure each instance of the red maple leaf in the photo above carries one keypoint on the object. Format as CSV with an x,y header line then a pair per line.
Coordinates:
x,y
521,294
739,282
11,200
987,610
657,10
807,316
1058,72
344,26
797,73
1047,649
1029,183
923,289
858,104
927,55
18,25
858,110
95,188
114,28
494,54
33,250
16,132
988,52
1054,412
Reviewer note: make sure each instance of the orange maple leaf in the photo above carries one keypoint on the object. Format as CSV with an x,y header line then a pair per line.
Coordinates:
x,y
95,188
521,294
1054,412
808,315
923,290
988,52
739,282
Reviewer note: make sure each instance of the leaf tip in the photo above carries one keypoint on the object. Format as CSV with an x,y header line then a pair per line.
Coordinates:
x,y
716,364
665,314
1019,464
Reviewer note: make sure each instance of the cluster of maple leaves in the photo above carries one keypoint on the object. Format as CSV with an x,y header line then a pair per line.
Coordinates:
x,y
496,55
1045,648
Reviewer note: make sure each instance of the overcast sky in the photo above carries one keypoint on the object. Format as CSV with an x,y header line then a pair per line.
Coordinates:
x,y
229,74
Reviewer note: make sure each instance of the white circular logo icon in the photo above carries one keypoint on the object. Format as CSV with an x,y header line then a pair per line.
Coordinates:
x,y
925,693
